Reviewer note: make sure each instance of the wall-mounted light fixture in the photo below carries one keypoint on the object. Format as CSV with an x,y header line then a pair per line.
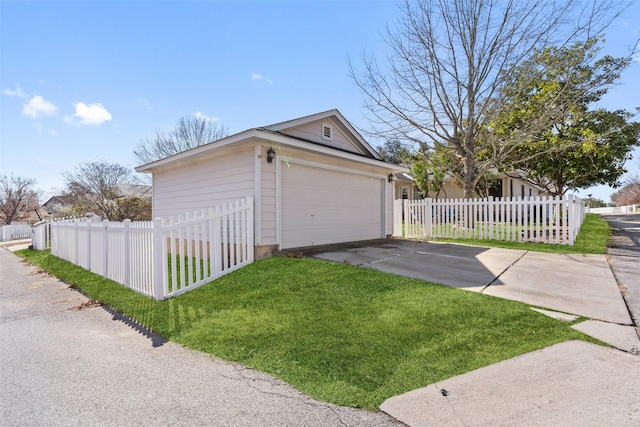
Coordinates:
x,y
391,177
271,154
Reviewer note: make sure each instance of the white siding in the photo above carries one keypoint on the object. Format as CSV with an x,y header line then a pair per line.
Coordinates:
x,y
202,184
449,191
389,196
268,183
313,132
516,188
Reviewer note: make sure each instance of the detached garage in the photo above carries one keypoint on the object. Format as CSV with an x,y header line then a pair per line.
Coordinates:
x,y
314,180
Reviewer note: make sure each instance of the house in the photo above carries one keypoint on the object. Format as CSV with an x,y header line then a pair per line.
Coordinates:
x,y
143,192
405,187
57,204
314,180
60,204
502,186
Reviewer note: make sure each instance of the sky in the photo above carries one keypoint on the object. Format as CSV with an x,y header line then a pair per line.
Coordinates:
x,y
84,81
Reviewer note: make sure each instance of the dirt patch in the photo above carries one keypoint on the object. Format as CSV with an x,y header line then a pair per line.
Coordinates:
x,y
38,271
38,284
87,304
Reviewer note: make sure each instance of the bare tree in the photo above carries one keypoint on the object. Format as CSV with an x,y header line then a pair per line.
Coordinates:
x,y
94,187
17,197
629,194
189,132
447,64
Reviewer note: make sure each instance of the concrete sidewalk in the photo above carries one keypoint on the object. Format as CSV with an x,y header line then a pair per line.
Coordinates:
x,y
572,383
64,366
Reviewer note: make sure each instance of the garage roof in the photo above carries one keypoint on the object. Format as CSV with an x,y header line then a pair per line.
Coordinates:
x,y
350,144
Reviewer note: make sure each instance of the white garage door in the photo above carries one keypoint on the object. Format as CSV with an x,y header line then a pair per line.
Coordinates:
x,y
321,206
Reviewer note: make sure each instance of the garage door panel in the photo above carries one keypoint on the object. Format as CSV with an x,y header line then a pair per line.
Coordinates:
x,y
321,206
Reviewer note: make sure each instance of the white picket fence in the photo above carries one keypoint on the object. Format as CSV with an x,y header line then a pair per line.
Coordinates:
x,y
41,231
160,258
530,219
615,209
14,232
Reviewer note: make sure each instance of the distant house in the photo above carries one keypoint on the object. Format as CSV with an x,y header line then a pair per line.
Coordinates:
x,y
501,186
314,180
60,204
57,204
144,192
405,187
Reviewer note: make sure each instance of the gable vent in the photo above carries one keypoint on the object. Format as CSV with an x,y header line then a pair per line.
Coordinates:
x,y
327,132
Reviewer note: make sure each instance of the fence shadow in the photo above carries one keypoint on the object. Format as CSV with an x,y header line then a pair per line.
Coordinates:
x,y
156,340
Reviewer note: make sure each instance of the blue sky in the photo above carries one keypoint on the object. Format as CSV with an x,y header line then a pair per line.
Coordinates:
x,y
84,81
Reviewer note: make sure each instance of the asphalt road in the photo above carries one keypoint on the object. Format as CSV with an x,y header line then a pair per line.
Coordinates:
x,y
624,258
64,365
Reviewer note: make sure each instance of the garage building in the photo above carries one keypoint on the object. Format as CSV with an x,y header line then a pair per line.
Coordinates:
x,y
314,180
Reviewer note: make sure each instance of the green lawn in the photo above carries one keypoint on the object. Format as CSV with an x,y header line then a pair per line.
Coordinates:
x,y
593,238
339,333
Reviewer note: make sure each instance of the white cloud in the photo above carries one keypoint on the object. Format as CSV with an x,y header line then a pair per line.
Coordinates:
x,y
37,106
15,92
92,114
199,115
256,77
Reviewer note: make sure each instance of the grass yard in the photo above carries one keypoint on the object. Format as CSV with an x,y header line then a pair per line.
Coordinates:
x,y
593,238
339,333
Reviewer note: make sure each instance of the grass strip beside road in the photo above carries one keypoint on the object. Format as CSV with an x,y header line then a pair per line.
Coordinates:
x,y
336,332
593,238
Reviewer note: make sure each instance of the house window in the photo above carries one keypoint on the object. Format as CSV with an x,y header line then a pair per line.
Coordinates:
x,y
405,193
327,132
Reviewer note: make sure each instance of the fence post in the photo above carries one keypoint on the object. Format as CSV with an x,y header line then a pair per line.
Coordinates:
x,y
77,242
428,212
127,251
397,218
105,249
250,229
158,262
490,216
571,218
89,229
406,217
